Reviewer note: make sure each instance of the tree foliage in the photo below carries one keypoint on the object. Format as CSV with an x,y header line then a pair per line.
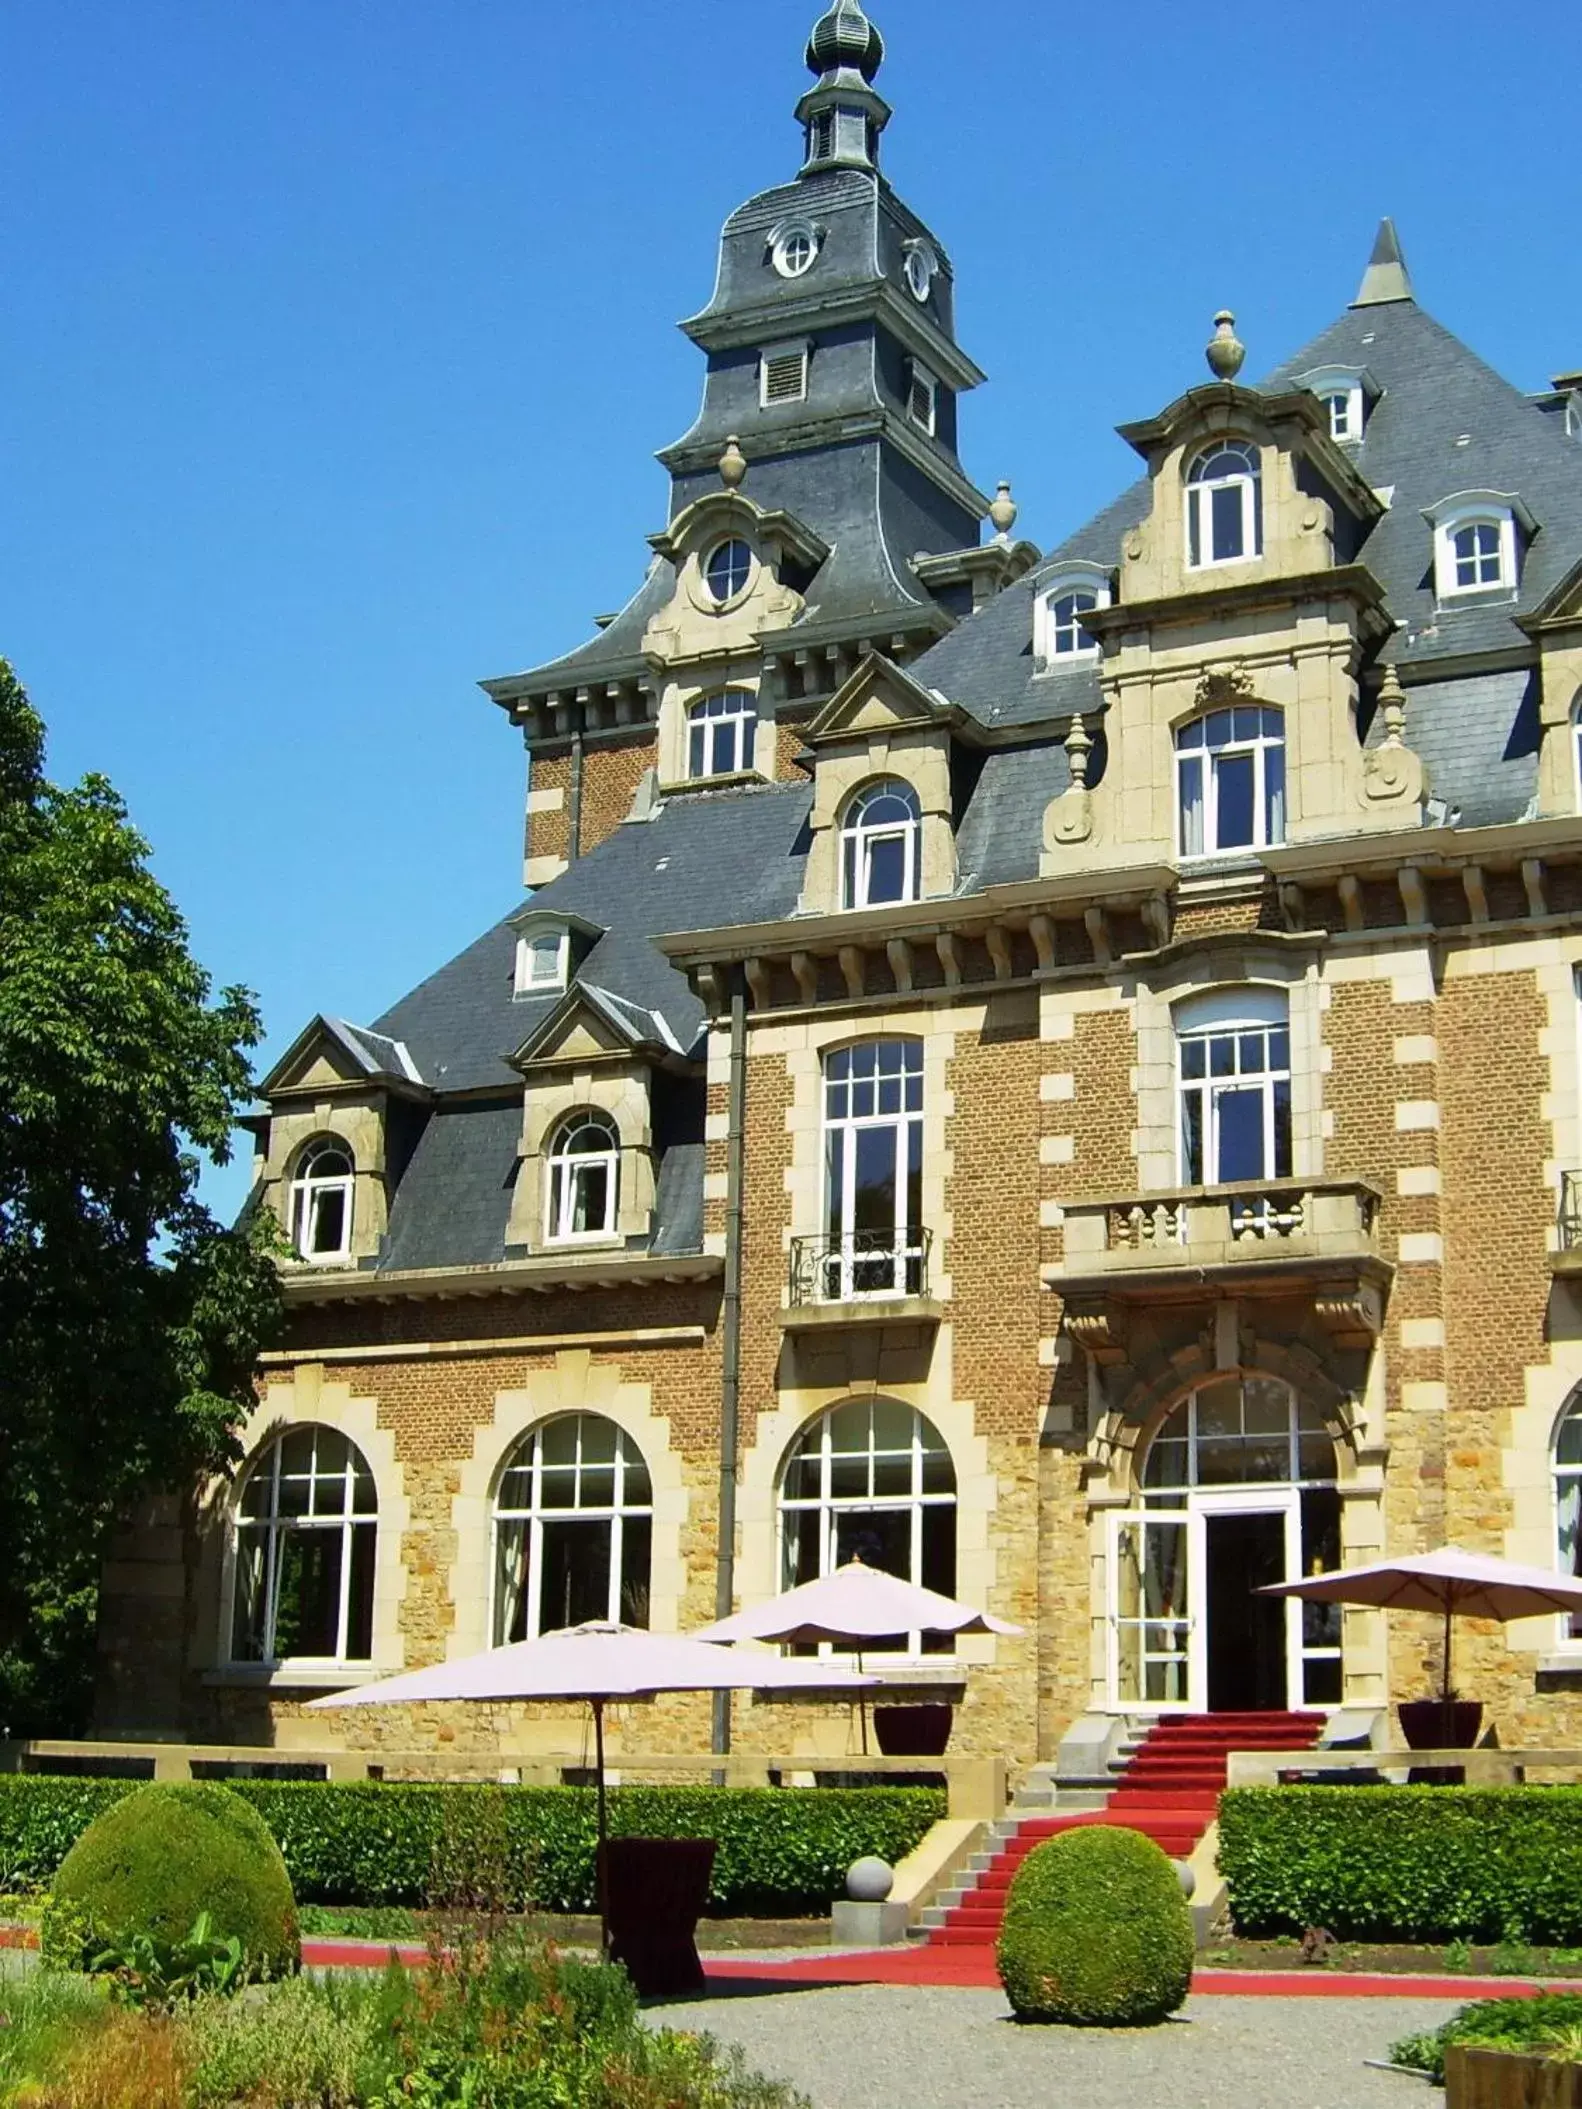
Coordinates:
x,y
130,1319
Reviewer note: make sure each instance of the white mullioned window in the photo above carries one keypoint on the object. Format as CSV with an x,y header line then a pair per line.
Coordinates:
x,y
1058,636
728,570
1233,1063
881,840
541,959
584,1179
873,1171
322,1196
720,732
1343,421
1568,1504
1230,781
1225,505
871,1480
1345,393
573,1530
1476,547
306,1533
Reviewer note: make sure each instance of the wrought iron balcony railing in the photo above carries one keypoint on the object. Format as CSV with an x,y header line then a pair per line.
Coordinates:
x,y
1570,1216
863,1265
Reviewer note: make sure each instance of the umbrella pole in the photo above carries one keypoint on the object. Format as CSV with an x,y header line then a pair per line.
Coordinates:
x,y
601,1878
1445,1696
862,1706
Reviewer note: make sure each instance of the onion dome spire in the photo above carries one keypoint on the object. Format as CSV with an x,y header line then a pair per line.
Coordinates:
x,y
845,38
843,115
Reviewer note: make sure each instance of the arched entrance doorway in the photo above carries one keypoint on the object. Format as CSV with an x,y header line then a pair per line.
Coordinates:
x,y
1237,1489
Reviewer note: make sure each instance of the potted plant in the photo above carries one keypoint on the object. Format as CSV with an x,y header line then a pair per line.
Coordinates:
x,y
1542,2078
914,1731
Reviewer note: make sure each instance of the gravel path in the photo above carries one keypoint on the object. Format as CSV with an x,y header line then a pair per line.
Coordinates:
x,y
902,2047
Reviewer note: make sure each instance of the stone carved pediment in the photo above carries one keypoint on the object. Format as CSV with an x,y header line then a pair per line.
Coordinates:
x,y
878,699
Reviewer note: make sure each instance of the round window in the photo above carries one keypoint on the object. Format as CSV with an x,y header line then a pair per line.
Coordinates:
x,y
794,252
728,570
920,273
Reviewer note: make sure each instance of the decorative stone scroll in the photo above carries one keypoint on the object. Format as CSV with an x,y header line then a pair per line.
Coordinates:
x,y
1391,773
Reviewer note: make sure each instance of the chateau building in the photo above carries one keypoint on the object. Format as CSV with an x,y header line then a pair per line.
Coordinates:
x,y
1057,1074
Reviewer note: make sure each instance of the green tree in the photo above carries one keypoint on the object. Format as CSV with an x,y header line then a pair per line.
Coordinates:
x,y
130,1319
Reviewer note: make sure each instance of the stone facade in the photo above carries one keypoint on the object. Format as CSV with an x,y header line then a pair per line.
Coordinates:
x,y
1219,1007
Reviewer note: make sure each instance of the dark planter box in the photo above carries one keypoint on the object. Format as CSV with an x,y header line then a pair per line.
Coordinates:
x,y
1423,1723
1506,2079
655,1890
913,1731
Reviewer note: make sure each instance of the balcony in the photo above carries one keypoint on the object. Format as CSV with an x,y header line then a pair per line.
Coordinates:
x,y
1317,1234
866,1276
1566,1257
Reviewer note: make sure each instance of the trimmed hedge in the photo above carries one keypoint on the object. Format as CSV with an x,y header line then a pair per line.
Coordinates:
x,y
1405,1863
1096,1932
780,1849
155,1861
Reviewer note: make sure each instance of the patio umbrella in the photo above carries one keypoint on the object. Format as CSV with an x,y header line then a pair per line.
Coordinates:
x,y
856,1603
596,1664
1450,1581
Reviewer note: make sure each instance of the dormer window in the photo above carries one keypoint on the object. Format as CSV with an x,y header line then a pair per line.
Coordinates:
x,y
541,960
1230,781
782,374
584,1178
720,732
321,1203
1059,638
794,249
1346,394
728,571
1476,550
1225,505
922,398
1344,423
880,838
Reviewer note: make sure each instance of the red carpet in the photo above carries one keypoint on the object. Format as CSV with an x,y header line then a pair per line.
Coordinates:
x,y
1169,1791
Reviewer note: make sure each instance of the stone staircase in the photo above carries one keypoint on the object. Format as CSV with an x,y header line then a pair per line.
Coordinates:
x,y
1165,1781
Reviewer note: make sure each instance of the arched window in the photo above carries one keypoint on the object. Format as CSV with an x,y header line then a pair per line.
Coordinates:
x,y
1576,748
1478,557
584,1179
306,1533
871,1480
1233,1054
880,839
1568,1501
321,1202
573,1530
873,1170
1058,634
728,570
720,733
1225,505
1230,781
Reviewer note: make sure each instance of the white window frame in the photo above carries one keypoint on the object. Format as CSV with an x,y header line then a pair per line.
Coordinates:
x,y
921,267
311,1189
628,1505
563,1179
872,1087
1497,510
1349,386
1270,780
1563,1479
785,239
1576,748
740,715
1234,1042
779,364
1345,414
276,1530
543,959
1200,508
716,601
924,1449
922,398
1049,654
859,838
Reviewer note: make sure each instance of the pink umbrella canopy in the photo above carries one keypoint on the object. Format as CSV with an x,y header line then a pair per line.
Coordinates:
x,y
597,1663
1451,1581
856,1603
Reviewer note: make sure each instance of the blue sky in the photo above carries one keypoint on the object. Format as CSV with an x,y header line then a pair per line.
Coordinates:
x,y
338,337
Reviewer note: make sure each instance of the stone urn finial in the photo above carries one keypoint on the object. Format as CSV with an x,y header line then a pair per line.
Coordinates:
x,y
1079,745
733,464
1225,350
1003,512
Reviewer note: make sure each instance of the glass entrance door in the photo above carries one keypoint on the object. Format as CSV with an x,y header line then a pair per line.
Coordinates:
x,y
1151,1565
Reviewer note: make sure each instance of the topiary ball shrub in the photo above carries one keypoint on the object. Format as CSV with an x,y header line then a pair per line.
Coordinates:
x,y
151,1864
1096,1932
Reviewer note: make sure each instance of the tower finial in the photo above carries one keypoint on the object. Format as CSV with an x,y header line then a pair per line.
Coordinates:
x,y
842,38
1386,277
843,114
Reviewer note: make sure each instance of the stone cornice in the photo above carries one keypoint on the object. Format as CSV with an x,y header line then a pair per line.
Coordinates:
x,y
537,1277
1353,582
821,308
